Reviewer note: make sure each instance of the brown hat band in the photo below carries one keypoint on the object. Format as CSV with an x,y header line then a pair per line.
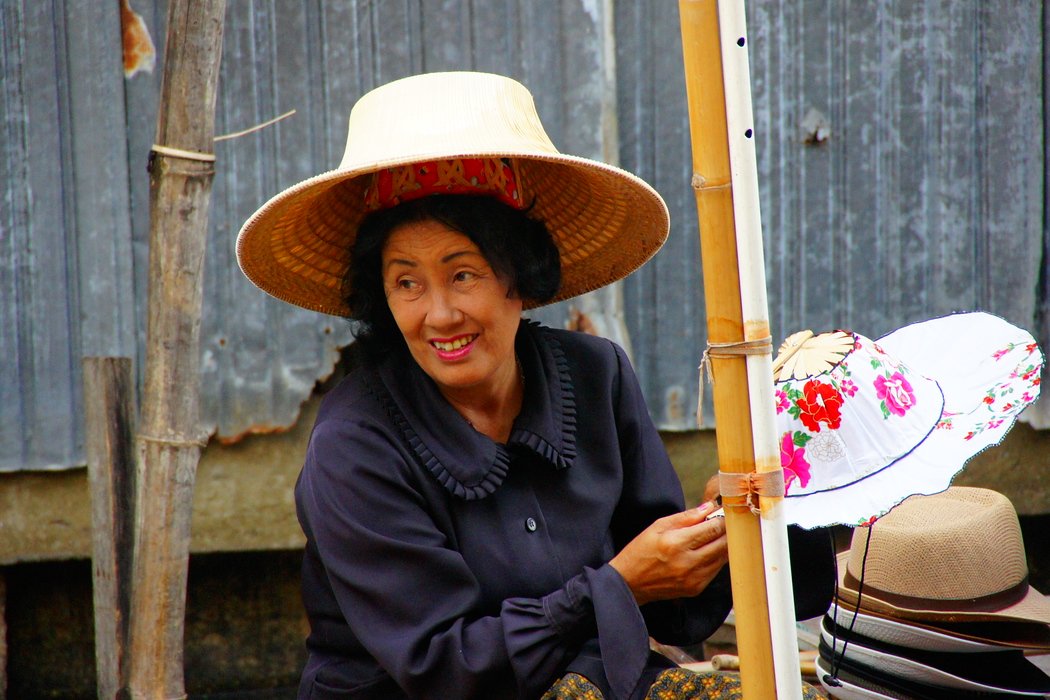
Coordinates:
x,y
993,602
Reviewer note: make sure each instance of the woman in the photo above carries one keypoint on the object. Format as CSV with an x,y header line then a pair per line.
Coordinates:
x,y
487,505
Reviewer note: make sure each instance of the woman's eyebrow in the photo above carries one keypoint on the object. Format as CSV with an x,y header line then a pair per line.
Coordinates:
x,y
399,261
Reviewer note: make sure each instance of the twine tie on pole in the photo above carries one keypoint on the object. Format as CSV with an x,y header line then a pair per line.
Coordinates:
x,y
175,440
752,485
742,348
181,153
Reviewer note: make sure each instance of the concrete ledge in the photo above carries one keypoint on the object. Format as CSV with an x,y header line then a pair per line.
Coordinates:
x,y
243,494
242,501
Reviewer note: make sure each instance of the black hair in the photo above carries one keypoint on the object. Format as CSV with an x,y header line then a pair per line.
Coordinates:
x,y
519,248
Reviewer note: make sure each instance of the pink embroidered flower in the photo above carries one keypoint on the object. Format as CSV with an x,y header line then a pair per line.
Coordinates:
x,y
1006,407
1027,398
998,354
820,403
793,460
848,387
993,424
782,401
895,392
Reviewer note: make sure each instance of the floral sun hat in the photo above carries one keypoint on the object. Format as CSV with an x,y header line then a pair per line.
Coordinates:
x,y
864,424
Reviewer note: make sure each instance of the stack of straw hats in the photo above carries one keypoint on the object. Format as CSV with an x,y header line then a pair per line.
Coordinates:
x,y
933,602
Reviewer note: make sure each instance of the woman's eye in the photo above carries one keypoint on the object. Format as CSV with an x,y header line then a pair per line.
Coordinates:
x,y
406,284
464,276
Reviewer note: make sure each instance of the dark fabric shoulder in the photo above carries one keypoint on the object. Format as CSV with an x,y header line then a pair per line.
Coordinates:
x,y
350,398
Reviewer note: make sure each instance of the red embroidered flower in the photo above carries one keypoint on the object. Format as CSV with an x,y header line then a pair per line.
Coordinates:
x,y
820,403
793,460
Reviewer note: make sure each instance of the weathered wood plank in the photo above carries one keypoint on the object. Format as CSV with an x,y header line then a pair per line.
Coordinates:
x,y
109,412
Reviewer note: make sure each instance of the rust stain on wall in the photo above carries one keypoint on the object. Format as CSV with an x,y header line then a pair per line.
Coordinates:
x,y
139,52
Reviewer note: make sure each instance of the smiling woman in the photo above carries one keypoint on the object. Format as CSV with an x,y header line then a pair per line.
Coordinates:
x,y
487,505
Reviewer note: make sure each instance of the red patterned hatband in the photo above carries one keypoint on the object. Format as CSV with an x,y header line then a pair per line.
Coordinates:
x,y
496,177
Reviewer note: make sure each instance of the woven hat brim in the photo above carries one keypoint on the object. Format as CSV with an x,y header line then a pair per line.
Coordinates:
x,y
1023,673
605,221
1034,607
937,635
904,634
850,688
930,467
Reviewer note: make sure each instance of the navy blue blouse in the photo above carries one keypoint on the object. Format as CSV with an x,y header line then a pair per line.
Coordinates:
x,y
441,564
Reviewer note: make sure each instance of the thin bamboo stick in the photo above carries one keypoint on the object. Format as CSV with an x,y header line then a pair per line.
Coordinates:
x,y
714,197
736,73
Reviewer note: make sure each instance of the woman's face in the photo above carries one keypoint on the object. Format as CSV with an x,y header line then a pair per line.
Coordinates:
x,y
456,315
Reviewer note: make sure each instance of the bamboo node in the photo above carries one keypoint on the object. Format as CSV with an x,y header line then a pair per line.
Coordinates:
x,y
722,351
698,181
751,486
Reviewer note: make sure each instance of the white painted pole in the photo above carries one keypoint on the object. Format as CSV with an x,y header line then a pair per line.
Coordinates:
x,y
732,25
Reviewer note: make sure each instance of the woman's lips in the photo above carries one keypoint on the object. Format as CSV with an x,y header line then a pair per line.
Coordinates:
x,y
454,348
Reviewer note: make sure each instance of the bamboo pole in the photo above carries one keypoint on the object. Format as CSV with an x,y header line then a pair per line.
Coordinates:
x,y
169,440
108,415
736,313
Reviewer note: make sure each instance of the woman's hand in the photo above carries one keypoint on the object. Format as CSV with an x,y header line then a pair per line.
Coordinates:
x,y
675,557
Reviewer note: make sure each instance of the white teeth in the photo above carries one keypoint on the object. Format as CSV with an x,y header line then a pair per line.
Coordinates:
x,y
454,345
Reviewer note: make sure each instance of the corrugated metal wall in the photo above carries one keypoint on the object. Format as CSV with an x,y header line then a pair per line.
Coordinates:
x,y
927,195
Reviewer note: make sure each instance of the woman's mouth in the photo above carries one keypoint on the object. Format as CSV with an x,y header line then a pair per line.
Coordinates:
x,y
455,347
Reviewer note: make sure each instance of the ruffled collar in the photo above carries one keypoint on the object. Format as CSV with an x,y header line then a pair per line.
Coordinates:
x,y
471,465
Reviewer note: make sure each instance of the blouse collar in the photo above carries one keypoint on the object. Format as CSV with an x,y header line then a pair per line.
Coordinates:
x,y
467,463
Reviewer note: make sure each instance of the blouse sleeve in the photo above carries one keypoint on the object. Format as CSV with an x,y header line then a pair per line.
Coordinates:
x,y
652,490
407,595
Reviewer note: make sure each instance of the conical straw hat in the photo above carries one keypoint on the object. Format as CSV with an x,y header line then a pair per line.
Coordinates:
x,y
605,221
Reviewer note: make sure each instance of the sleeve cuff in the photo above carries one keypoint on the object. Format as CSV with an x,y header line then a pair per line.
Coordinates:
x,y
622,634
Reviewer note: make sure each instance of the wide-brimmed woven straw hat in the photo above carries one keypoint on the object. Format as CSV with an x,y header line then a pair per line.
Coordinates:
x,y
956,556
605,221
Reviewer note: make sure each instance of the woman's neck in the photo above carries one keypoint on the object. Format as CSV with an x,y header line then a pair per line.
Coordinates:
x,y
491,410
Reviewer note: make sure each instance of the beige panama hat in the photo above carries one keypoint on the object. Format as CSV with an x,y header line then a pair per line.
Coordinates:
x,y
605,221
955,556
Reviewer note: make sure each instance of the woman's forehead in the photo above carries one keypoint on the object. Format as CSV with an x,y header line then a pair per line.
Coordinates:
x,y
427,240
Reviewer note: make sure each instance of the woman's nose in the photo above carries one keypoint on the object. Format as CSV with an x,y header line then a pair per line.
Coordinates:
x,y
443,310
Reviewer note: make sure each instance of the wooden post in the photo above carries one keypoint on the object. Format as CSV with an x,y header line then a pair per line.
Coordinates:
x,y
3,636
108,416
170,439
725,324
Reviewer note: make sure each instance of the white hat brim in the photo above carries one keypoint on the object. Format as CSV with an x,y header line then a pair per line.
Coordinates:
x,y
959,352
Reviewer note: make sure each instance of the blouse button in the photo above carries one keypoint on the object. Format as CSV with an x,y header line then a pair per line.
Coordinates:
x,y
530,525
